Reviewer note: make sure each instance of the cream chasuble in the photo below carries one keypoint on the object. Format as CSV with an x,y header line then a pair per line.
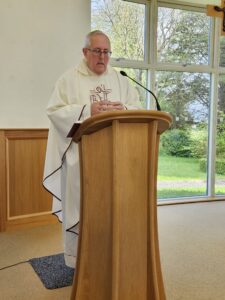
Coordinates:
x,y
74,92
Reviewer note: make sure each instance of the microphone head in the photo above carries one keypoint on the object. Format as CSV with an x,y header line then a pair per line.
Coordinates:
x,y
123,73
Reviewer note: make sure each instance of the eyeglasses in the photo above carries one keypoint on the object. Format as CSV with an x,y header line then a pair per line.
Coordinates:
x,y
98,52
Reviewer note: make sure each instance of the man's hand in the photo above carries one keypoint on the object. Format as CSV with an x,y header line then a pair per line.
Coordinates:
x,y
103,106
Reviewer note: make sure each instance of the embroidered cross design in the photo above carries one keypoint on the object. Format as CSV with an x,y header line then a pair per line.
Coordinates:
x,y
100,93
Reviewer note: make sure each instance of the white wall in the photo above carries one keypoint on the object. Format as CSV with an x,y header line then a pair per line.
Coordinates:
x,y
39,40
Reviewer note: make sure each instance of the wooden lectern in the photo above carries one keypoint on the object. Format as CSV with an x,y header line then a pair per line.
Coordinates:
x,y
118,252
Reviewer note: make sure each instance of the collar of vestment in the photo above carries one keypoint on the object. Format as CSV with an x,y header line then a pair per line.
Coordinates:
x,y
83,69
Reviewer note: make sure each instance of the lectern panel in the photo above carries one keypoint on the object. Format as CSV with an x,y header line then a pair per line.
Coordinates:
x,y
131,198
95,276
118,256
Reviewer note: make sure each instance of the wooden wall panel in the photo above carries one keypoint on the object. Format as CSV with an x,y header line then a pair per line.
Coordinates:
x,y
24,200
3,211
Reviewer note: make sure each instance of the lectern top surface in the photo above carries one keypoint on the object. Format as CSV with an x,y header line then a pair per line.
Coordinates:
x,y
102,120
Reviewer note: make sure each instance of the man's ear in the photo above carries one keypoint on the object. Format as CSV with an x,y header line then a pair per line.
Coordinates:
x,y
84,51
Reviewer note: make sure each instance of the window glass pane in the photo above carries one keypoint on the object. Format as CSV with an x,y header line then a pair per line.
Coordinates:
x,y
182,36
220,140
124,23
141,77
182,168
222,51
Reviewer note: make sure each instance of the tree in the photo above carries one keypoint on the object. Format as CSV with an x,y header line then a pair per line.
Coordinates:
x,y
186,40
182,38
124,23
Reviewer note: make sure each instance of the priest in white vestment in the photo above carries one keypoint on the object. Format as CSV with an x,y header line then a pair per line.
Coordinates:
x,y
88,89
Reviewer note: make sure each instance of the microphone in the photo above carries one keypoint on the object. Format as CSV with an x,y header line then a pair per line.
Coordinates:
x,y
156,100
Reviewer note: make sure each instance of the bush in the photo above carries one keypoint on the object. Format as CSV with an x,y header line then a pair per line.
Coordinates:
x,y
220,144
176,142
203,164
220,166
198,145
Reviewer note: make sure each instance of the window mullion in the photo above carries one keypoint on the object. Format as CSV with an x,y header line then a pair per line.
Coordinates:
x,y
212,136
213,111
153,49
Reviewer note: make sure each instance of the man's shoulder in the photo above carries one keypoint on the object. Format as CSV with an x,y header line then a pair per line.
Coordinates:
x,y
67,76
69,73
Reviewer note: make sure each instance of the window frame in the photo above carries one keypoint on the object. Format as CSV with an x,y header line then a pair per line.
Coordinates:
x,y
152,66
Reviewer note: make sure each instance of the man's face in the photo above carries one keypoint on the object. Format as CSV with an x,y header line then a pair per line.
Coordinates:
x,y
97,63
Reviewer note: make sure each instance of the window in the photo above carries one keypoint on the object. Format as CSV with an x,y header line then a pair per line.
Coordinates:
x,y
168,48
140,76
184,146
182,36
124,23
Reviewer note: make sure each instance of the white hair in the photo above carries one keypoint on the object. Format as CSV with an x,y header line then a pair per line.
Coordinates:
x,y
88,37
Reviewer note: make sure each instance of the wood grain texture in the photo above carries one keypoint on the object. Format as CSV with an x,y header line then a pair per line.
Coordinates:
x,y
118,254
3,195
212,12
24,196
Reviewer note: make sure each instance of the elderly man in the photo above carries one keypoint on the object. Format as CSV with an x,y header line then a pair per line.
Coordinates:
x,y
91,88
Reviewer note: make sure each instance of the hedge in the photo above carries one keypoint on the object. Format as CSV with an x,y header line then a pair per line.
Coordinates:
x,y
220,165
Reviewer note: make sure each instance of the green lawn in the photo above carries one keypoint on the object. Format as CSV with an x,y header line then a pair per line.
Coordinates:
x,y
178,169
187,192
176,192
